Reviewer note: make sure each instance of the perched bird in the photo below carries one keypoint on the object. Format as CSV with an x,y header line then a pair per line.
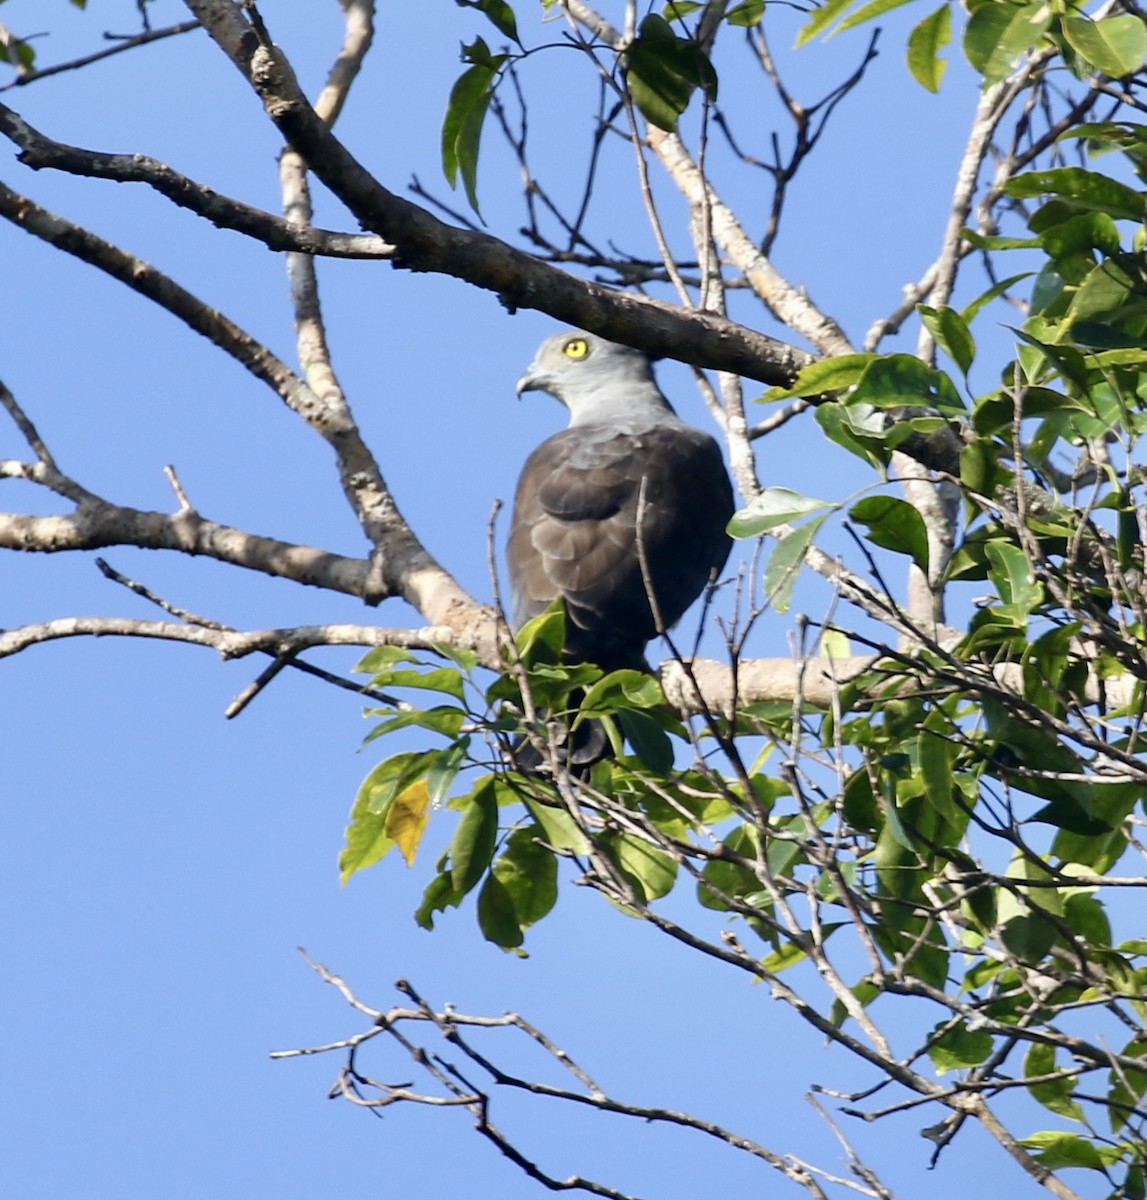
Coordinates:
x,y
627,484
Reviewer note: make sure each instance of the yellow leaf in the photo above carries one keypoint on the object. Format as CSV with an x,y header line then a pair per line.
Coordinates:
x,y
834,644
406,820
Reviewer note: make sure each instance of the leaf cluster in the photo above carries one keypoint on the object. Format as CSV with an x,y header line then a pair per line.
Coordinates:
x,y
960,813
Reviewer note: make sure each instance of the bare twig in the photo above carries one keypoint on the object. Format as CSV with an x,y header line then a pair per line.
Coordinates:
x,y
122,44
41,152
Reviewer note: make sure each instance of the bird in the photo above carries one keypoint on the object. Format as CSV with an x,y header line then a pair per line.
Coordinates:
x,y
628,500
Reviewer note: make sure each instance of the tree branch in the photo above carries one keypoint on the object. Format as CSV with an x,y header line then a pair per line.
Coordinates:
x,y
39,151
25,77
229,643
402,566
424,243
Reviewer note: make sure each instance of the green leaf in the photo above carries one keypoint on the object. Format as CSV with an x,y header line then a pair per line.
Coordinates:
x,y
980,469
627,688
1084,189
995,414
874,8
822,17
969,312
366,838
382,657
663,70
978,903
825,375
529,873
934,749
951,333
981,241
860,808
1056,1150
442,679
1094,335
1087,919
960,1047
443,718
925,42
439,895
465,660
1126,1086
921,959
860,429
540,640
1114,45
652,872
1080,233
1028,936
865,991
365,843
651,744
472,846
443,770
465,115
1066,360
834,644
1012,575
998,33
1045,667
496,916
18,52
898,868
731,878
558,828
894,524
499,12
746,14
1134,1185
1105,290
772,507
902,379
721,879
785,563
787,956
660,93
1053,1094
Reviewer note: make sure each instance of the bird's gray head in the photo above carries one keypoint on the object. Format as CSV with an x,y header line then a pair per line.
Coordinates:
x,y
592,377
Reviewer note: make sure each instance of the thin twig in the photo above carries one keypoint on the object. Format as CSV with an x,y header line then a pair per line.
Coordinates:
x,y
127,43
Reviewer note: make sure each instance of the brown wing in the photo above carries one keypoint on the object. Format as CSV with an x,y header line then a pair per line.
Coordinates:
x,y
574,532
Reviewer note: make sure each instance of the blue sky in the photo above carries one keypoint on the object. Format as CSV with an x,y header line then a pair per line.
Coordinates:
x,y
161,864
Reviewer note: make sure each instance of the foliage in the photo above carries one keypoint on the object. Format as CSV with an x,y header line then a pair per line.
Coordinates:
x,y
958,811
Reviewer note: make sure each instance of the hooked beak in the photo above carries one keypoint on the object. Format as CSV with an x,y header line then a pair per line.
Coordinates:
x,y
535,378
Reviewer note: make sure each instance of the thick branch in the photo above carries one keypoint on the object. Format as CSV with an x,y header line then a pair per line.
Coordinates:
x,y
99,525
520,281
817,681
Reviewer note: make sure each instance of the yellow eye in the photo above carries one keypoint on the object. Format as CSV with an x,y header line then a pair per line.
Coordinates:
x,y
576,348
